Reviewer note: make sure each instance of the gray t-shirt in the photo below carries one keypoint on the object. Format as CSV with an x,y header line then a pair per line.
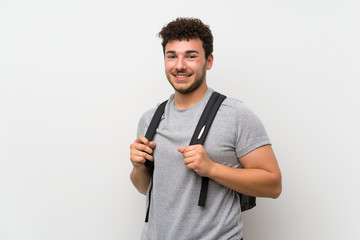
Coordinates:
x,y
174,210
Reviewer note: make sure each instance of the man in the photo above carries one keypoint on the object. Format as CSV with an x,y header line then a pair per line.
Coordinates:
x,y
236,139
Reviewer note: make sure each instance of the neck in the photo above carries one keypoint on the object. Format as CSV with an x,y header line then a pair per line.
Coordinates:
x,y
183,101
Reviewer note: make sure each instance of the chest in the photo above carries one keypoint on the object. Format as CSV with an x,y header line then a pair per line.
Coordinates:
x,y
176,129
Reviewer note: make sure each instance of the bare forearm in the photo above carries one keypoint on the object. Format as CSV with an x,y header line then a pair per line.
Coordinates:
x,y
140,179
253,182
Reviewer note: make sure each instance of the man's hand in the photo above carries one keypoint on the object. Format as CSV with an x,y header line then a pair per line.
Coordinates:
x,y
196,158
140,151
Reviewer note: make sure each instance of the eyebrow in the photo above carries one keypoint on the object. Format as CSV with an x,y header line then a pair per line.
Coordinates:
x,y
186,52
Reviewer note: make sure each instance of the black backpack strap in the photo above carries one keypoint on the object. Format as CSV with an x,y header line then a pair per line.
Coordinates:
x,y
150,133
201,132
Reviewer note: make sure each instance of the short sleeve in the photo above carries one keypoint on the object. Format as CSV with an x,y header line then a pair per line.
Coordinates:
x,y
145,121
251,133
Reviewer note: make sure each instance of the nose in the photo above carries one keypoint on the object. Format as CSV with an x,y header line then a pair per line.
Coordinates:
x,y
180,64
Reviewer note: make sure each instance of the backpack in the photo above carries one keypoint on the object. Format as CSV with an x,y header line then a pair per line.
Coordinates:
x,y
199,136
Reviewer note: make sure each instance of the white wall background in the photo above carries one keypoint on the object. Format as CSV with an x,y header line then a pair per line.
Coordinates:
x,y
75,76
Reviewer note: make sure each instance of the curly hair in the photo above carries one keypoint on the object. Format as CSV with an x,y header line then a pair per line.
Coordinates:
x,y
187,29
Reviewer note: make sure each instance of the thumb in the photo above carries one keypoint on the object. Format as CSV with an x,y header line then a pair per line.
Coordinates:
x,y
152,144
181,149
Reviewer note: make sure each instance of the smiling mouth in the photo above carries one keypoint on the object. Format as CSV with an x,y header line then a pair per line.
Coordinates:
x,y
182,76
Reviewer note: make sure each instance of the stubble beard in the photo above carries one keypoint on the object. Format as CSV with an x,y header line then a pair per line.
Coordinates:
x,y
195,85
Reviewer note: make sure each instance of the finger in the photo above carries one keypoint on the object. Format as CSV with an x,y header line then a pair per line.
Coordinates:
x,y
181,149
190,166
138,156
146,156
143,140
138,163
138,159
141,147
152,144
188,153
186,149
189,160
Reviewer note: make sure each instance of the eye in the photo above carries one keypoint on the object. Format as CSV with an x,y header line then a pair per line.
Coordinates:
x,y
192,56
171,56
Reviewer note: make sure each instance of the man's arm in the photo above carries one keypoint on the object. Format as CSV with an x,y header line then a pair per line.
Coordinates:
x,y
140,151
260,177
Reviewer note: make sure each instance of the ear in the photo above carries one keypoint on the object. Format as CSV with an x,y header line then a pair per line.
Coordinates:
x,y
209,62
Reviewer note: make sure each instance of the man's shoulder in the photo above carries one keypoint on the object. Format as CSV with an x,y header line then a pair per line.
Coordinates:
x,y
235,108
233,104
145,120
148,114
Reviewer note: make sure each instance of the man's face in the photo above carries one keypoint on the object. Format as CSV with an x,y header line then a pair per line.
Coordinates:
x,y
185,64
